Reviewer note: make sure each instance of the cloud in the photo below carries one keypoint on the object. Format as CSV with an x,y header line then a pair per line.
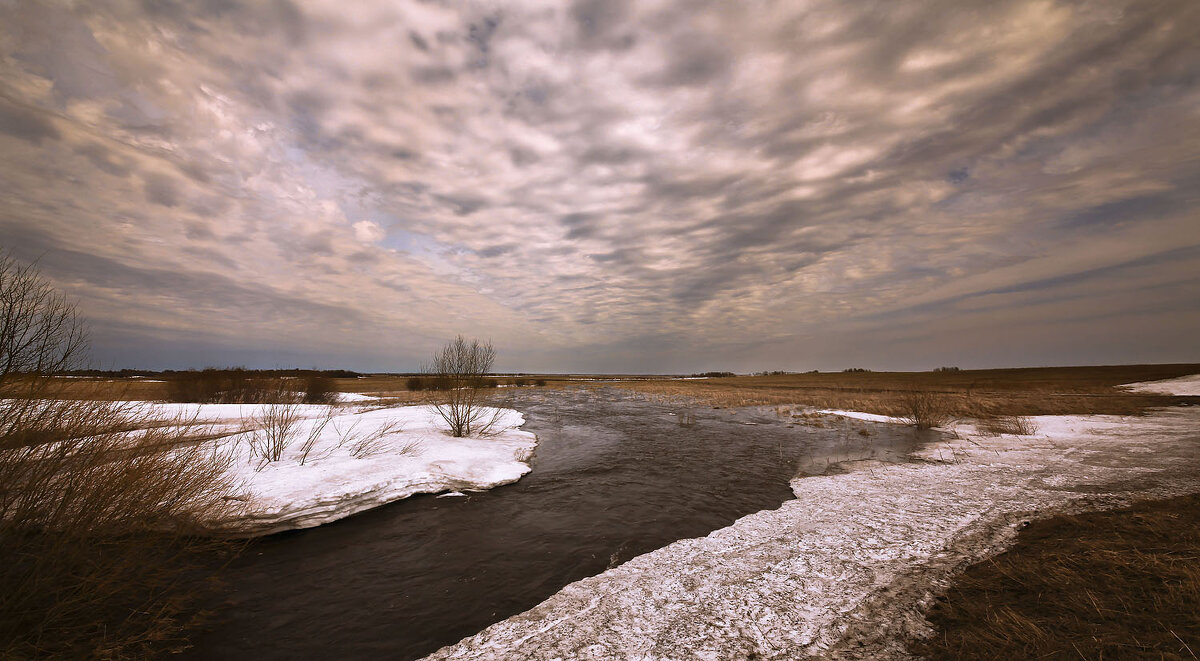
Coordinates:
x,y
368,232
600,181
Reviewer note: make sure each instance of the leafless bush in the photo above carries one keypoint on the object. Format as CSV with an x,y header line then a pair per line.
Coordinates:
x,y
275,429
319,389
99,500
464,367
238,385
1008,424
926,409
314,434
365,444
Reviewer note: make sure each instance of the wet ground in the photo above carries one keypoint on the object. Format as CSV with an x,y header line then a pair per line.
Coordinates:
x,y
614,476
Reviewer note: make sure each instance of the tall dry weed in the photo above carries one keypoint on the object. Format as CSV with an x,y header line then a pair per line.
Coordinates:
x,y
100,506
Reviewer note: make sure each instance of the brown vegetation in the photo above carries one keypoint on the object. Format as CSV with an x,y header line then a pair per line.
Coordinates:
x,y
99,500
1109,585
967,393
464,367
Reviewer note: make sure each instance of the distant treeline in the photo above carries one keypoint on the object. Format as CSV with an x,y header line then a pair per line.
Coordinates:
x,y
242,386
713,375
270,374
436,382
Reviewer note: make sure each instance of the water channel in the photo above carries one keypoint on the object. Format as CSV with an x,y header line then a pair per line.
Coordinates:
x,y
614,476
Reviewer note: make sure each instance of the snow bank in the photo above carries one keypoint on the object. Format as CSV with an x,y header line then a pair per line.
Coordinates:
x,y
1184,385
859,415
333,483
845,569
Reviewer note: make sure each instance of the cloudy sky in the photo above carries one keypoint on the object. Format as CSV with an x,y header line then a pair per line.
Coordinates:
x,y
610,185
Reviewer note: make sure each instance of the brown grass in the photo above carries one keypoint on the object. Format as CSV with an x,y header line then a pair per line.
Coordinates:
x,y
1110,585
99,506
972,393
1008,424
968,393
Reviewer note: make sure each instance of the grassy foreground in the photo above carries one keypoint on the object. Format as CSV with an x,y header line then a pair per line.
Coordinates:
x,y
1121,584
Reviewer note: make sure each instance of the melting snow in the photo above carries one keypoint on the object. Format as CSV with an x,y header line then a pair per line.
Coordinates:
x,y
1184,385
846,569
333,483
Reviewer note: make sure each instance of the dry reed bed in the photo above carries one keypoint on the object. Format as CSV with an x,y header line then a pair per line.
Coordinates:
x,y
964,394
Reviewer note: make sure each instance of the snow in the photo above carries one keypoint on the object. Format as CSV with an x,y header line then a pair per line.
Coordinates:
x,y
847,569
1184,385
859,415
333,483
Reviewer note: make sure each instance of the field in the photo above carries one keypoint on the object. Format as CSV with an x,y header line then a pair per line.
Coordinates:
x,y
968,393
1150,605
1116,585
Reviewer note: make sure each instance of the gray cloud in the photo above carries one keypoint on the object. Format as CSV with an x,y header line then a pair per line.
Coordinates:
x,y
25,123
614,185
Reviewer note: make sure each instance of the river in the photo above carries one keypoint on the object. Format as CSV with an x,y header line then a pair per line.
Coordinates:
x,y
614,476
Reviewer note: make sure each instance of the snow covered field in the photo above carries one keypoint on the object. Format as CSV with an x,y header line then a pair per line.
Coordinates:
x,y
845,570
360,458
1184,385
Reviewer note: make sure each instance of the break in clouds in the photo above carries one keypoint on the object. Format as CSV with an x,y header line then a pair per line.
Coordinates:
x,y
610,186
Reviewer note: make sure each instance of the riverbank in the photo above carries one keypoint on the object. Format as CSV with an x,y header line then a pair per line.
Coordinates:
x,y
847,569
341,460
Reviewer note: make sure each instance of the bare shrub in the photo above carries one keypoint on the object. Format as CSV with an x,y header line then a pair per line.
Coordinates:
x,y
99,500
926,409
319,389
415,383
364,444
275,429
235,385
464,367
1008,424
314,434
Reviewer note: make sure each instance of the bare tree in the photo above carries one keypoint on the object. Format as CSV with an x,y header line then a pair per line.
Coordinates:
x,y
463,367
40,330
99,500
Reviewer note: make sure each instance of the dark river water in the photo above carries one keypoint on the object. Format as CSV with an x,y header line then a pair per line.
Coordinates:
x,y
613,477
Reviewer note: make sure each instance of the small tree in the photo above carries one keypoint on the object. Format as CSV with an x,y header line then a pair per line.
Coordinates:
x,y
463,367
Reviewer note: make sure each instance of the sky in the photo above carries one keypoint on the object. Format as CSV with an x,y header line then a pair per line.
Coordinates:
x,y
610,185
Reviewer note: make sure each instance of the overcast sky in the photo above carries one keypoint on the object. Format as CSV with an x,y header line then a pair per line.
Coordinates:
x,y
666,186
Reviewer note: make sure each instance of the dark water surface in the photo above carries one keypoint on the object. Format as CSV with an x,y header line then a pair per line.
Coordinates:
x,y
613,477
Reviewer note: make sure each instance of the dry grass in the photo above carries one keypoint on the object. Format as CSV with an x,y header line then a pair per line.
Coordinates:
x,y
968,393
1109,585
1008,424
926,409
99,506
